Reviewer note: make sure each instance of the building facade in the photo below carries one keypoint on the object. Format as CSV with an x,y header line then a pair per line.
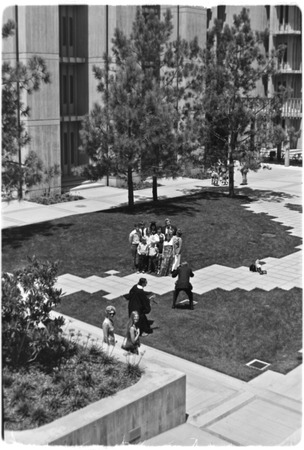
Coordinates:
x,y
284,23
73,38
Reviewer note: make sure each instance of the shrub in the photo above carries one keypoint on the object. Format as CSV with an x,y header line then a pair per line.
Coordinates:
x,y
28,332
52,199
46,373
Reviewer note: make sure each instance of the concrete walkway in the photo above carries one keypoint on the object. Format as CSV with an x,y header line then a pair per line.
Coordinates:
x,y
221,410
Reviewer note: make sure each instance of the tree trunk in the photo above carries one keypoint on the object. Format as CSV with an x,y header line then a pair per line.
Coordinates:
x,y
154,188
279,152
231,172
130,188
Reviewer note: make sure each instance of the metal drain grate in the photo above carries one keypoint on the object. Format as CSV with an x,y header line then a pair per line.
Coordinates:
x,y
257,364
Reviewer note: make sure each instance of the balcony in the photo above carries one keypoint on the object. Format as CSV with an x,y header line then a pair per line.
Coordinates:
x,y
286,29
285,67
292,108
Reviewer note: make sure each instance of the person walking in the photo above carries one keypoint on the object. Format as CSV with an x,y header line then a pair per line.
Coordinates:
x,y
183,272
108,328
140,301
131,341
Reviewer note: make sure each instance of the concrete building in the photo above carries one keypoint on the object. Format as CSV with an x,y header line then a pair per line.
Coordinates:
x,y
284,23
73,38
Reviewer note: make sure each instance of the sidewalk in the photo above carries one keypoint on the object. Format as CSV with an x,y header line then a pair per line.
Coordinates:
x,y
221,410
99,198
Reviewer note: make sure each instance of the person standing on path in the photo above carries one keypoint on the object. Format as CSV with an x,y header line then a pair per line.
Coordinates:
x,y
183,272
108,328
140,301
132,341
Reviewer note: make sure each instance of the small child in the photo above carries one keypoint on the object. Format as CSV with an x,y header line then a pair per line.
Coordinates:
x,y
142,251
153,258
259,267
256,267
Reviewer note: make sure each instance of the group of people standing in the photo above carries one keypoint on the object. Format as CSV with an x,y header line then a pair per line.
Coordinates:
x,y
155,248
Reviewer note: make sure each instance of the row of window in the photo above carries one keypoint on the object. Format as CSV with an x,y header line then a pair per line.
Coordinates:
x,y
68,89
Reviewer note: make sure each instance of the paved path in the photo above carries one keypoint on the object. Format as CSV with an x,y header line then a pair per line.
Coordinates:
x,y
222,410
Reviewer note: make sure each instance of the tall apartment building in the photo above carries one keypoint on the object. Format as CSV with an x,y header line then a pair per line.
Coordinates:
x,y
284,23
73,38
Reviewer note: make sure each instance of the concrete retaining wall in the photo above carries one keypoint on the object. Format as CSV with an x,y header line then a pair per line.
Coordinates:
x,y
153,405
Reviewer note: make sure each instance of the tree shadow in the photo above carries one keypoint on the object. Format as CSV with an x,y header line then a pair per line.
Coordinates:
x,y
165,206
14,236
268,196
293,207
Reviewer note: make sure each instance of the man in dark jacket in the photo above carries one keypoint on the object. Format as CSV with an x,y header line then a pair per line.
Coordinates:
x,y
140,301
183,272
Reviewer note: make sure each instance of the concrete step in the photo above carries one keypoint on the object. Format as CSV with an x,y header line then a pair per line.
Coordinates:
x,y
186,435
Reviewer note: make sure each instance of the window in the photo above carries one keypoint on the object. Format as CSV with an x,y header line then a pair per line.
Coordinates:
x,y
283,15
72,149
71,31
221,13
64,31
65,149
149,9
285,53
64,89
71,89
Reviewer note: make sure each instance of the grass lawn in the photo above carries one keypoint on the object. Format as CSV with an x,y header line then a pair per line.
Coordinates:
x,y
227,329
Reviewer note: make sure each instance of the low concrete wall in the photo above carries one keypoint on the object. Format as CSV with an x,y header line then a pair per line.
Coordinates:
x,y
155,404
115,181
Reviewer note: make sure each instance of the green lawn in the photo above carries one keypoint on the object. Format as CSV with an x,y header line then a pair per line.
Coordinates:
x,y
227,329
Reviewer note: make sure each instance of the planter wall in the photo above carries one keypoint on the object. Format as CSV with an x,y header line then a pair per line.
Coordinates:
x,y
115,181
153,405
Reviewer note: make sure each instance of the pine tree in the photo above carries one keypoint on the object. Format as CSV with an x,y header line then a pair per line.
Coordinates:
x,y
235,63
143,91
16,80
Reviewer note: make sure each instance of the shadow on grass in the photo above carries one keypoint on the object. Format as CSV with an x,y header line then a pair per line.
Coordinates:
x,y
225,331
175,206
15,236
293,207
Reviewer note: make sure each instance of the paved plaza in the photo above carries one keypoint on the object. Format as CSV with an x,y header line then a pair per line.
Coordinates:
x,y
221,410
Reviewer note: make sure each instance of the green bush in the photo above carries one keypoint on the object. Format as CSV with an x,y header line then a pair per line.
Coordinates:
x,y
46,372
52,199
28,332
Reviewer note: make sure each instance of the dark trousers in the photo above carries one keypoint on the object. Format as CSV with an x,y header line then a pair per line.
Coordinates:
x,y
134,255
188,292
152,266
142,263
